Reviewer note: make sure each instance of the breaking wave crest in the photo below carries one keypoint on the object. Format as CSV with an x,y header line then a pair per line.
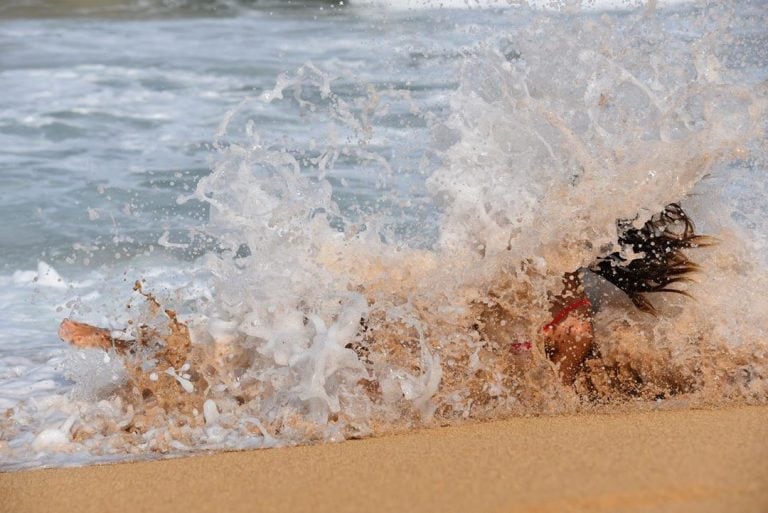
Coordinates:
x,y
330,312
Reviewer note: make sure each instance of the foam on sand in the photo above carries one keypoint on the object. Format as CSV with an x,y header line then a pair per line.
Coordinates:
x,y
710,460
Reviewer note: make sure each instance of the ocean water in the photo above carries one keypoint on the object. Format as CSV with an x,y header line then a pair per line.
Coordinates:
x,y
326,193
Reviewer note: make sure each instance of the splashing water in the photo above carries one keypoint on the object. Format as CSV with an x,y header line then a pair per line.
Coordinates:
x,y
324,312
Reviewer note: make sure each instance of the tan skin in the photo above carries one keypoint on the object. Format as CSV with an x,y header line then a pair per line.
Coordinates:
x,y
569,344
569,338
82,335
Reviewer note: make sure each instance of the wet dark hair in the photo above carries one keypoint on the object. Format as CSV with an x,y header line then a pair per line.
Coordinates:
x,y
657,261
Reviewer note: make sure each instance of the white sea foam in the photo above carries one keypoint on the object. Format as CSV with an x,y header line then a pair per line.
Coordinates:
x,y
315,320
545,5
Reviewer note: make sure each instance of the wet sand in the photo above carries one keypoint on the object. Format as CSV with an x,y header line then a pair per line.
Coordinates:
x,y
703,461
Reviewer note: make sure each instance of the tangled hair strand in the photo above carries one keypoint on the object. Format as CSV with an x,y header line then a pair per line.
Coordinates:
x,y
652,258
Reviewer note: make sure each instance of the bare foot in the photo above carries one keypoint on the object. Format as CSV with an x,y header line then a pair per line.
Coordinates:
x,y
84,335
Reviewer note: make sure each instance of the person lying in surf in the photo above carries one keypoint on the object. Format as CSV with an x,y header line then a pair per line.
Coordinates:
x,y
658,264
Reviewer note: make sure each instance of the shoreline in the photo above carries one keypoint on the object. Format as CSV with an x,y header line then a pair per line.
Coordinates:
x,y
679,460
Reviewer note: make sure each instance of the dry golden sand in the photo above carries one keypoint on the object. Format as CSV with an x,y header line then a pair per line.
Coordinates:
x,y
686,461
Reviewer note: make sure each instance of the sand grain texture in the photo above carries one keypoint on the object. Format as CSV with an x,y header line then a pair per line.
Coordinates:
x,y
686,461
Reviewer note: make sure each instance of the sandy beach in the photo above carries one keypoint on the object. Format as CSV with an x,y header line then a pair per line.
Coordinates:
x,y
702,460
